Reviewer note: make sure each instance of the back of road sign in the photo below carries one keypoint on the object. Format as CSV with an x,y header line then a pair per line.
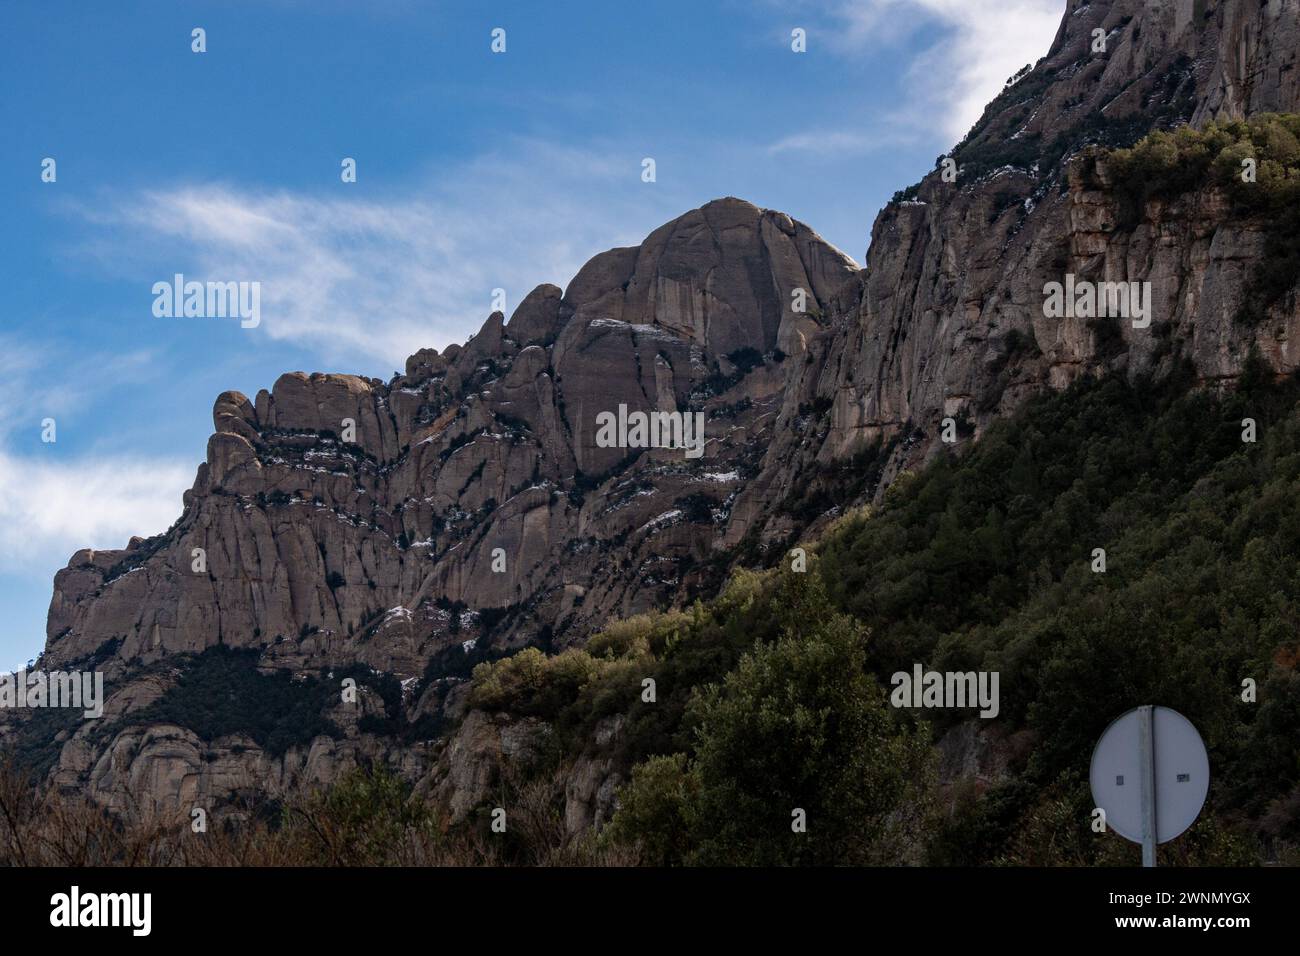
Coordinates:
x,y
1181,777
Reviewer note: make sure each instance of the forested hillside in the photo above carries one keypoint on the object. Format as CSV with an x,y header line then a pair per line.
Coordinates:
x,y
985,562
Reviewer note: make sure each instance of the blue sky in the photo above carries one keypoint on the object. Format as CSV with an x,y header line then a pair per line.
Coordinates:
x,y
475,171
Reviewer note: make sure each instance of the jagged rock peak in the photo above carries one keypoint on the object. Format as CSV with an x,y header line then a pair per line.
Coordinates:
x,y
719,277
1118,68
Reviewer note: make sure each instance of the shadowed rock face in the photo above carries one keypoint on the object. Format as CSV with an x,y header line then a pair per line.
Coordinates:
x,y
326,544
949,320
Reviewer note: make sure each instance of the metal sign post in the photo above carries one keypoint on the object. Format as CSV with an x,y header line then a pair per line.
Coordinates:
x,y
1146,743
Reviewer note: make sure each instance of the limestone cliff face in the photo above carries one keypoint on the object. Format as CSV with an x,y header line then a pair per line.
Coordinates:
x,y
345,520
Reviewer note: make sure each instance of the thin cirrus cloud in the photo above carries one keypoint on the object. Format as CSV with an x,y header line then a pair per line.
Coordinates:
x,y
50,509
29,393
346,275
978,45
837,142
53,502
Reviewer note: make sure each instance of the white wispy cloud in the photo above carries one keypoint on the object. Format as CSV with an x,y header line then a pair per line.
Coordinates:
x,y
50,508
832,141
979,44
30,393
346,274
987,41
54,501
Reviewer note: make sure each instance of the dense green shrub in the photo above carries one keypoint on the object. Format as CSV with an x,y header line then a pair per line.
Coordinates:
x,y
530,683
634,636
365,818
836,482
222,692
746,359
652,812
1167,164
798,728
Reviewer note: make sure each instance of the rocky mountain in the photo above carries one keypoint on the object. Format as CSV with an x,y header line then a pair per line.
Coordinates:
x,y
343,519
467,508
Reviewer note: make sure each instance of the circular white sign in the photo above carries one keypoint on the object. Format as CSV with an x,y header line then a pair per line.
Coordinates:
x,y
1182,774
